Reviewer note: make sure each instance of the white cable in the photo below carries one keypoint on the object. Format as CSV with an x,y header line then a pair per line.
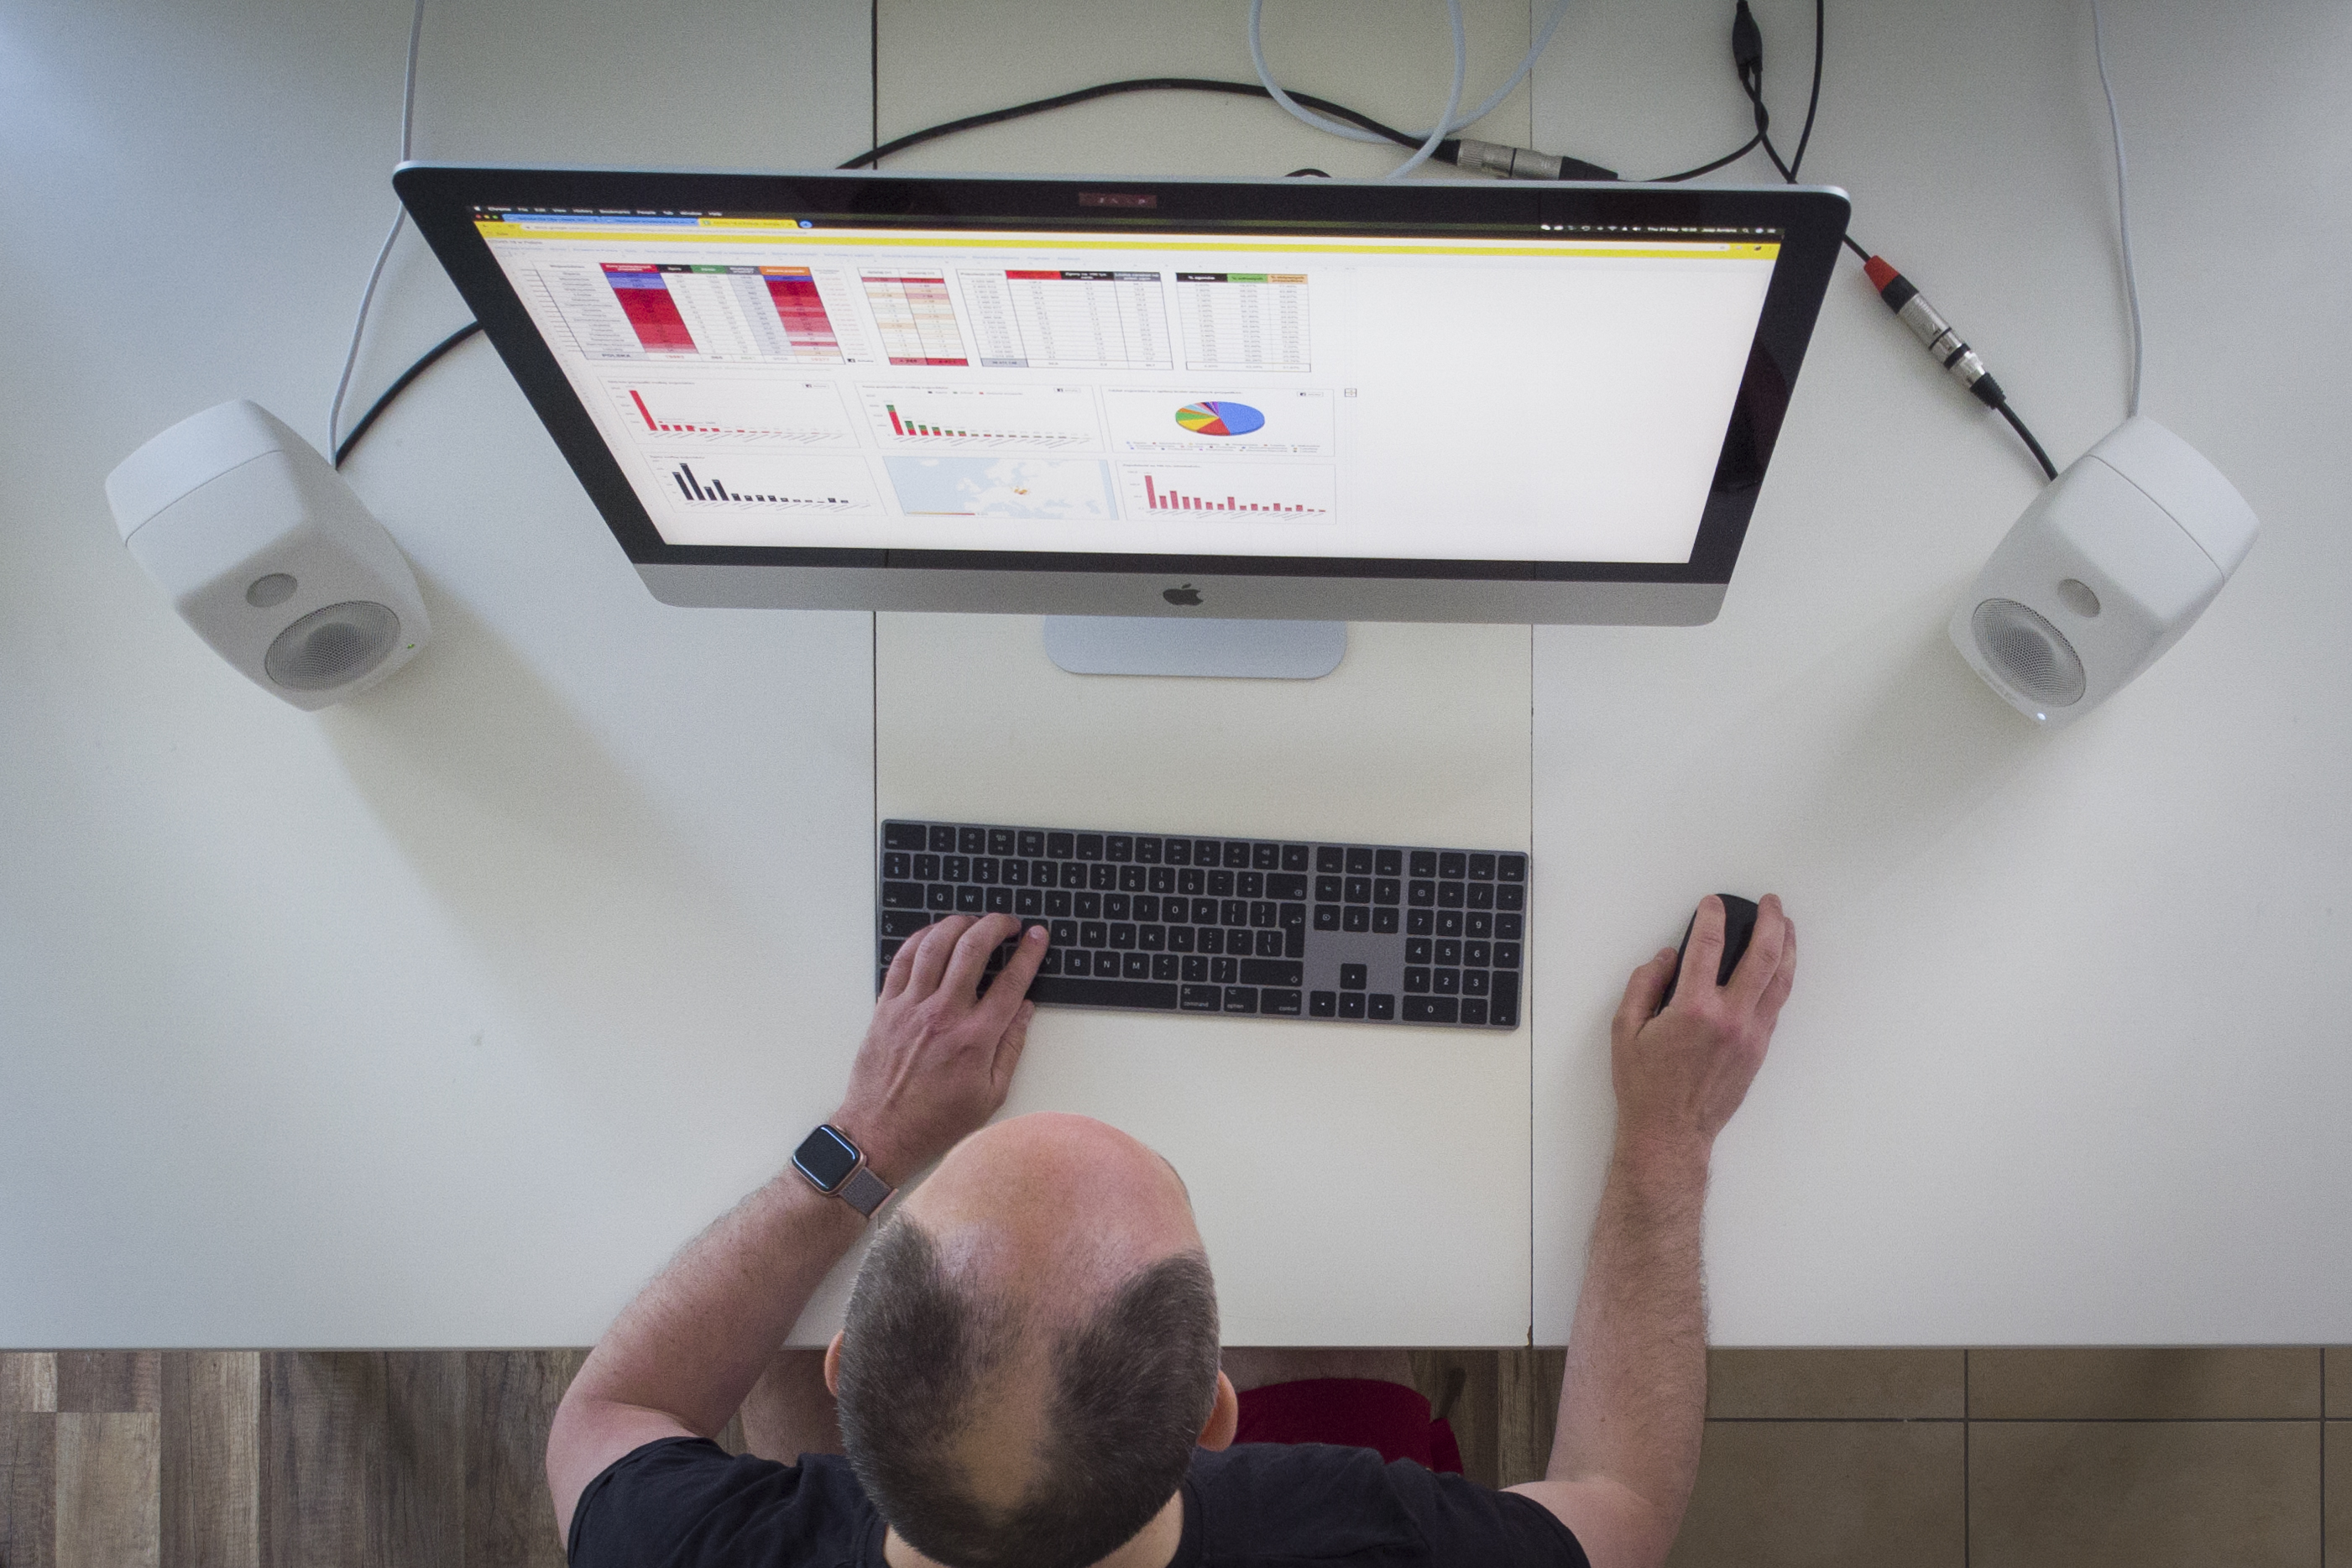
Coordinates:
x,y
1451,122
375,273
1453,97
2123,206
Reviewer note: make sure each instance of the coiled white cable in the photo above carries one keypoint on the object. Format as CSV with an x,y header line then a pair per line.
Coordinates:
x,y
375,273
1447,124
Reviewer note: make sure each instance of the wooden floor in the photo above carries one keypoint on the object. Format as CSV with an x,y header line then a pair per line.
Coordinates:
x,y
2008,1459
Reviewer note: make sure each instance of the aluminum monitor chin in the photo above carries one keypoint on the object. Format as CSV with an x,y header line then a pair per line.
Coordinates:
x,y
1255,399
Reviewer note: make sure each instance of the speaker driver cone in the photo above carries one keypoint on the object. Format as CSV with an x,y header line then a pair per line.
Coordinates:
x,y
2028,652
333,647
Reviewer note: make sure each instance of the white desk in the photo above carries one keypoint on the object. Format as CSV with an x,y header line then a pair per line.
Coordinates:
x,y
441,1018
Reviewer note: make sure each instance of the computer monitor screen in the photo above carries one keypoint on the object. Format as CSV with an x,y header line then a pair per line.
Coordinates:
x,y
1234,378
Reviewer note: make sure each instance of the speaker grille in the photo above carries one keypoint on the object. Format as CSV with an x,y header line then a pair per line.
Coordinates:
x,y
333,646
2028,652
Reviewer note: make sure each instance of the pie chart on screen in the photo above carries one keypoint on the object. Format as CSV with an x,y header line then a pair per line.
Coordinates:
x,y
1206,418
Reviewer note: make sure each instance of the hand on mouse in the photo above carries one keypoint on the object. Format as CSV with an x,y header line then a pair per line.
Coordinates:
x,y
1681,1074
938,1056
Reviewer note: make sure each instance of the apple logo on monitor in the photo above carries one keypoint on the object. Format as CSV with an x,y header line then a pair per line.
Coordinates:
x,y
1187,596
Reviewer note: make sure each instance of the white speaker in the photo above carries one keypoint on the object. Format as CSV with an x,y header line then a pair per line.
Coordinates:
x,y
2113,562
267,552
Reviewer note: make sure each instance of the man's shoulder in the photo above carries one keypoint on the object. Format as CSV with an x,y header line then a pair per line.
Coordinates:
x,y
687,1501
1306,1502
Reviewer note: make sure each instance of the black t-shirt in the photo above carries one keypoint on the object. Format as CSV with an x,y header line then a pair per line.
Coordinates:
x,y
682,1503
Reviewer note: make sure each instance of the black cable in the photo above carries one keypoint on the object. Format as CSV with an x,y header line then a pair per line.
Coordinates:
x,y
424,363
2048,469
873,156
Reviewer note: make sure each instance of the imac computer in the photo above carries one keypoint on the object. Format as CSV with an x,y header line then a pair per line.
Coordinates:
x,y
1153,400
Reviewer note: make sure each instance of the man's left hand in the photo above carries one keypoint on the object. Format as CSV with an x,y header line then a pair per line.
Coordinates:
x,y
938,1056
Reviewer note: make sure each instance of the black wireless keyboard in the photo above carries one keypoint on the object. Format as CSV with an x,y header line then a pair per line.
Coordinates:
x,y
1160,922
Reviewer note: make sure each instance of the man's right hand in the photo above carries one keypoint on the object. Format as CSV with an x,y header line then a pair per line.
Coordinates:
x,y
1681,1074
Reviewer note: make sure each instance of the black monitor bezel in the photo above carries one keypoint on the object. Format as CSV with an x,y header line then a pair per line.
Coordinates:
x,y
443,199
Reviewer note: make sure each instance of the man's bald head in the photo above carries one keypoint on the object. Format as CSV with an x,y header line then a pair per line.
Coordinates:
x,y
1031,1348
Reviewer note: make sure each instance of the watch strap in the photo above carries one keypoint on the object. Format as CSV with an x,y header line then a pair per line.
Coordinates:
x,y
864,1191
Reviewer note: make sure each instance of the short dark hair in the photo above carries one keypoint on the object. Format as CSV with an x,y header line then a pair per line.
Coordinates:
x,y
1133,1382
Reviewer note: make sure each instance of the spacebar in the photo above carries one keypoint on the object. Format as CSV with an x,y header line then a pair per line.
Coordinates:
x,y
1073,992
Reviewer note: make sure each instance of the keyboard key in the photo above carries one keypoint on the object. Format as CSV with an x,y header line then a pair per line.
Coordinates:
x,y
971,840
1328,888
1477,954
902,896
1478,924
1028,901
1448,950
1387,890
1146,851
1506,955
1134,966
1162,880
1032,844
942,840
1421,894
1330,858
1267,857
1090,846
1294,944
1133,878
1000,841
1417,922
1204,912
1449,895
1432,1010
1327,917
1351,1003
1449,922
897,863
1360,861
1042,874
1237,855
1388,862
1360,889
1281,1004
1351,977
1264,914
1268,942
902,835
1424,862
890,950
1282,885
1417,980
1000,900
984,869
1061,846
1180,939
1473,983
1077,960
1506,927
1163,966
1093,933
1204,999
1178,852
1452,863
1380,1006
1504,1007
1385,921
1269,971
927,868
1481,867
1122,936
971,900
1240,998
1294,858
1208,851
1482,896
1249,884
1151,939
1224,971
1293,917
903,921
1102,877
1090,906
1323,1003
1511,867
1445,982
1058,903
1232,913
1220,884
1052,962
1115,907
1069,992
1064,932
939,896
1211,939
1508,897
1147,910
1357,918
1195,967
1474,1009
1118,847
1074,875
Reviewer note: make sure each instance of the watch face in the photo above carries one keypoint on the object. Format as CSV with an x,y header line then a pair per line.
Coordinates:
x,y
826,1157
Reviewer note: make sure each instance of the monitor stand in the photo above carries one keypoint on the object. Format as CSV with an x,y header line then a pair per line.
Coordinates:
x,y
1170,645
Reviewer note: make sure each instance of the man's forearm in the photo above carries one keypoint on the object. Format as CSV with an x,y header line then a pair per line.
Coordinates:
x,y
1632,1400
695,1340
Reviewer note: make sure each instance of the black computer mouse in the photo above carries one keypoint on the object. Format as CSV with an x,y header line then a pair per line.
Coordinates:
x,y
1739,925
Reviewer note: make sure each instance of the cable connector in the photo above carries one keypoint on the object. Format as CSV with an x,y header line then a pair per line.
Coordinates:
x,y
1519,162
1903,298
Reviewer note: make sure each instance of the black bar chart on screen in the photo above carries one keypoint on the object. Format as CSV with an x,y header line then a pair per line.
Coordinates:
x,y
736,482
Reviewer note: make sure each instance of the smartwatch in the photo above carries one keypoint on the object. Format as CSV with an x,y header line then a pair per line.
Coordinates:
x,y
836,1167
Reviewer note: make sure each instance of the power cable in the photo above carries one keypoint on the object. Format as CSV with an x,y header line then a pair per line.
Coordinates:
x,y
400,217
2123,206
